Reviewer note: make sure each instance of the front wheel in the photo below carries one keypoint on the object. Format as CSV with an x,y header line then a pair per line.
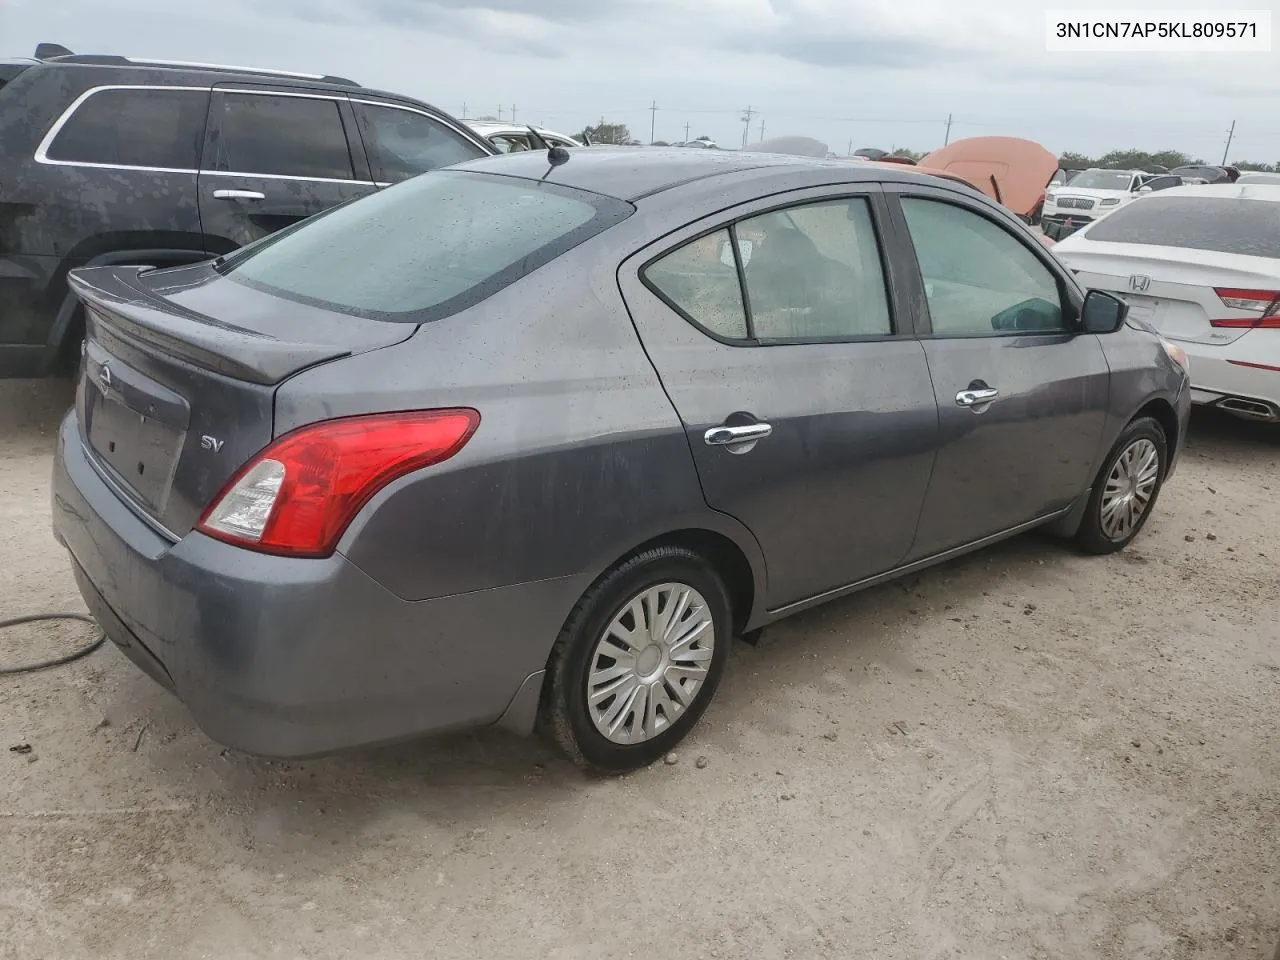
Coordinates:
x,y
638,660
1126,490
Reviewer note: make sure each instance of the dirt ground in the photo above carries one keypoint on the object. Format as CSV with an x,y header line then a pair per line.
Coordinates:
x,y
1024,754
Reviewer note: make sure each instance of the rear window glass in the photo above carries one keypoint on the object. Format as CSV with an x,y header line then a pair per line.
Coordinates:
x,y
162,129
1218,224
426,247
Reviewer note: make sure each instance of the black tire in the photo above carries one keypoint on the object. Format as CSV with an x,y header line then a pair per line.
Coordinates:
x,y
1092,536
564,715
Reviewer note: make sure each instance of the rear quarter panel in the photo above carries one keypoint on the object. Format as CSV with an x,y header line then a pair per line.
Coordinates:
x,y
578,459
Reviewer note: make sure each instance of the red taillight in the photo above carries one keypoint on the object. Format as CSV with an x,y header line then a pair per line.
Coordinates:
x,y
298,495
1265,302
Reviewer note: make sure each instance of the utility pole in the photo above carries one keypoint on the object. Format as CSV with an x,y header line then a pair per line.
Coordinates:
x,y
1230,135
686,132
653,119
513,113
499,111
850,153
464,109
762,130
746,120
948,139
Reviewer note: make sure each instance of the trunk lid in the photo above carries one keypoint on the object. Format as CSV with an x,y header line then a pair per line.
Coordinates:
x,y
179,374
1172,288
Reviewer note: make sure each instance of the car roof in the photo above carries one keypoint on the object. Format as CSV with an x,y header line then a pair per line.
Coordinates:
x,y
631,175
1226,191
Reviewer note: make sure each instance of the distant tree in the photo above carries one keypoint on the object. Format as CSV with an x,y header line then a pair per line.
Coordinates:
x,y
659,143
615,133
916,155
1256,167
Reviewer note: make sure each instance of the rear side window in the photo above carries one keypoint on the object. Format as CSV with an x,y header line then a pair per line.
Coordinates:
x,y
426,247
701,280
135,128
405,143
280,136
1219,224
812,273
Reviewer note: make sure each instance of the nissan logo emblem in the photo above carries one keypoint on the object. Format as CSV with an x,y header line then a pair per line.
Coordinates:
x,y
104,377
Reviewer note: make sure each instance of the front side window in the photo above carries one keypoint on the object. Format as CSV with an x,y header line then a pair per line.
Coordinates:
x,y
424,248
280,136
979,279
812,273
161,129
405,143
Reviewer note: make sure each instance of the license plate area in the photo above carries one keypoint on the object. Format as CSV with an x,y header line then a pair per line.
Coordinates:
x,y
134,426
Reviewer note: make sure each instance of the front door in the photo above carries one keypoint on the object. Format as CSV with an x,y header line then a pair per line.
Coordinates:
x,y
804,395
273,158
1022,395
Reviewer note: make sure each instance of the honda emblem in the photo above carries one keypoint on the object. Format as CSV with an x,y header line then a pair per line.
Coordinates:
x,y
1139,283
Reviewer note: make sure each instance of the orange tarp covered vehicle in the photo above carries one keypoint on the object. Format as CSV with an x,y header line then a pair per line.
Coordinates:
x,y
1009,170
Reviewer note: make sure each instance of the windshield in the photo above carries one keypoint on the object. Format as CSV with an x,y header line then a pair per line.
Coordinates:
x,y
1218,224
426,247
1103,180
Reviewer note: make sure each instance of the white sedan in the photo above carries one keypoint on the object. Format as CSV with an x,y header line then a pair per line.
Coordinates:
x,y
1201,264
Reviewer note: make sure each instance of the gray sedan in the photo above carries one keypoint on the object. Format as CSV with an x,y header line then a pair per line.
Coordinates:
x,y
531,440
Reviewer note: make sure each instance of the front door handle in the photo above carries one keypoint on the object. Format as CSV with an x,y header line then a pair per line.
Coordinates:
x,y
973,398
238,195
732,436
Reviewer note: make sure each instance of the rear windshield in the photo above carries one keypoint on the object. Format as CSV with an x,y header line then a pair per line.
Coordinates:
x,y
1218,224
425,248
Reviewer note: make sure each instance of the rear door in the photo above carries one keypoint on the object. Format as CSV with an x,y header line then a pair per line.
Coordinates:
x,y
806,401
273,157
1021,396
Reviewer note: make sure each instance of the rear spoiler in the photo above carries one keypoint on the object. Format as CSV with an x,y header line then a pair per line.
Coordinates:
x,y
113,294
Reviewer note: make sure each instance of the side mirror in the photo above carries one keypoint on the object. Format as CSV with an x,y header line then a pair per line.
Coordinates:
x,y
1102,312
1145,189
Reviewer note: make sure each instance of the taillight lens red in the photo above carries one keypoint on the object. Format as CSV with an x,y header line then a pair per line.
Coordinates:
x,y
297,496
1265,302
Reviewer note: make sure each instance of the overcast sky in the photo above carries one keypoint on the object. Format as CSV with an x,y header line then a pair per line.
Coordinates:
x,y
874,72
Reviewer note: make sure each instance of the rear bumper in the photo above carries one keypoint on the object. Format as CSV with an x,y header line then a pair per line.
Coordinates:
x,y
1249,391
289,658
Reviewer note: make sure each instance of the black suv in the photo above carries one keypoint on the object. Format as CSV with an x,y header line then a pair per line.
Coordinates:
x,y
111,160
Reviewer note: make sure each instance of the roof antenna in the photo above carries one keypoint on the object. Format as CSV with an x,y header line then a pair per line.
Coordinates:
x,y
48,51
556,156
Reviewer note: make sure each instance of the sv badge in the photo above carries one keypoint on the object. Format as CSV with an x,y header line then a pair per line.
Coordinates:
x,y
211,443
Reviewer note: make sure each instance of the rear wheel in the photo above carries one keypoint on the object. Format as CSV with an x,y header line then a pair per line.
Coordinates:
x,y
1126,490
638,661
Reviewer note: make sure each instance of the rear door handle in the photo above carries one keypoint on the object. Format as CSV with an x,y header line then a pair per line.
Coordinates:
x,y
731,436
238,195
972,398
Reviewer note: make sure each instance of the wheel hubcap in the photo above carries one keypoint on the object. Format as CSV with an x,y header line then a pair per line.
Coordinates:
x,y
1129,489
650,663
